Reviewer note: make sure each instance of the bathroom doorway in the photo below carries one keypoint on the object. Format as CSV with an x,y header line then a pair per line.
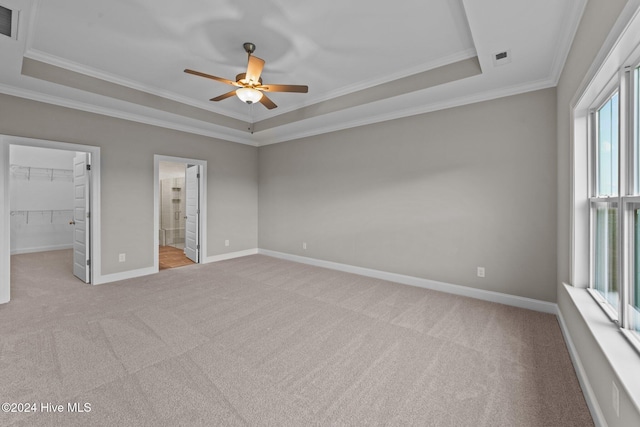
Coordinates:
x,y
172,204
178,207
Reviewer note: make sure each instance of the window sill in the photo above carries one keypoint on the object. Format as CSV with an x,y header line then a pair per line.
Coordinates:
x,y
632,339
603,304
621,355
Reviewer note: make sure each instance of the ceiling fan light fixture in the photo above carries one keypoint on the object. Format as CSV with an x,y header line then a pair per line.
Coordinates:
x,y
249,95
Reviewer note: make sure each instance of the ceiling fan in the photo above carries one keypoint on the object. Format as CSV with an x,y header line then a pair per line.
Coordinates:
x,y
249,84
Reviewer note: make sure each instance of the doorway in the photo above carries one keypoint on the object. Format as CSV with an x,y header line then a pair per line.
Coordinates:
x,y
179,208
50,203
46,189
172,204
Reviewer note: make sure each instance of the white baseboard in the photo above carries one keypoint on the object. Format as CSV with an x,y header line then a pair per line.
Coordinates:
x,y
114,277
40,249
108,278
587,390
230,255
512,300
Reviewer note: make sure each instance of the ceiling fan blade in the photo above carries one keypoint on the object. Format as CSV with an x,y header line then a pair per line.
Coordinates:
x,y
267,102
254,69
209,76
224,96
284,88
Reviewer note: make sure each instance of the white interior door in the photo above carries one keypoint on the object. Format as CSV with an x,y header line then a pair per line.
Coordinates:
x,y
192,232
81,174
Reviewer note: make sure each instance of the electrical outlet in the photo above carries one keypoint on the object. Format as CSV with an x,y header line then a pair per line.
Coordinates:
x,y
480,271
615,398
304,246
122,257
226,242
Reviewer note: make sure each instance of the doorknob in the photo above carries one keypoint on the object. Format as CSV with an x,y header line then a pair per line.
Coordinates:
x,y
72,222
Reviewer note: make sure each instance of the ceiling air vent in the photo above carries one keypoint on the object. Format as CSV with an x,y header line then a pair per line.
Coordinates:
x,y
6,17
8,22
501,58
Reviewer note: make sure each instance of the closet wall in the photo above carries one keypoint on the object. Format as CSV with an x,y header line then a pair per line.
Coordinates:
x,y
41,203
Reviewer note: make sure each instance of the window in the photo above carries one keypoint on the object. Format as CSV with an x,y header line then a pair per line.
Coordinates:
x,y
614,202
633,297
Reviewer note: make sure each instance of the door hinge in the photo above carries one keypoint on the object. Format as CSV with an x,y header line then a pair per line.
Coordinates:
x,y
88,214
88,167
198,247
88,262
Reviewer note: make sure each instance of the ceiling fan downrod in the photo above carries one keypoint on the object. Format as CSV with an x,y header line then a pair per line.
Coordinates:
x,y
249,47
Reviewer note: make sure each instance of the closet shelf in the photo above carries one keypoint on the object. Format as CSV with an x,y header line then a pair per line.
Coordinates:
x,y
43,213
47,174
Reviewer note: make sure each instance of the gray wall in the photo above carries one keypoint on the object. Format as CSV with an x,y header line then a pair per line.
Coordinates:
x,y
432,196
127,151
597,21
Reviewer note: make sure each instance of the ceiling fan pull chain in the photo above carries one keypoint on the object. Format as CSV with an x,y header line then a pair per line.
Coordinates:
x,y
251,118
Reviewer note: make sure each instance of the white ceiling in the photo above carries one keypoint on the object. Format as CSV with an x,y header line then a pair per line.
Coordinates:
x,y
125,50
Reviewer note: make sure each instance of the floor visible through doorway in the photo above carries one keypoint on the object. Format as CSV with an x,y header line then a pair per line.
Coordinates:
x,y
171,257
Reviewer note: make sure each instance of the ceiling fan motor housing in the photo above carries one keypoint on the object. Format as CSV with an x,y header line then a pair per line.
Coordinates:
x,y
241,78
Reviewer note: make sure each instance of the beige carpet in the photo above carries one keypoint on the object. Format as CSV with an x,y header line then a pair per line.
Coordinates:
x,y
264,342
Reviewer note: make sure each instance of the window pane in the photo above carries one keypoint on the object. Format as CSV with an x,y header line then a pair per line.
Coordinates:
x,y
607,148
636,128
606,252
634,298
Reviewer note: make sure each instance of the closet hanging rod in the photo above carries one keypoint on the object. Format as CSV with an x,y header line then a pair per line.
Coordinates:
x,y
49,212
26,172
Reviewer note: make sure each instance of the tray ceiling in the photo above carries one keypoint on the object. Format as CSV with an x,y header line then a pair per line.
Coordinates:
x,y
364,61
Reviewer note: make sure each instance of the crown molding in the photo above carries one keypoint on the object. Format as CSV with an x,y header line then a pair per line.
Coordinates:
x,y
255,140
56,61
394,114
573,16
346,90
105,111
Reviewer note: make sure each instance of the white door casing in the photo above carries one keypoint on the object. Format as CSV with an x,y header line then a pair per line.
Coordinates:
x,y
192,186
5,233
96,276
81,217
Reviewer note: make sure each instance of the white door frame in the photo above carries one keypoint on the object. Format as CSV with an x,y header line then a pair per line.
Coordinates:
x,y
202,226
5,210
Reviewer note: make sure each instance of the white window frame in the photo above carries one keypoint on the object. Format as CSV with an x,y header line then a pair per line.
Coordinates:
x,y
628,197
